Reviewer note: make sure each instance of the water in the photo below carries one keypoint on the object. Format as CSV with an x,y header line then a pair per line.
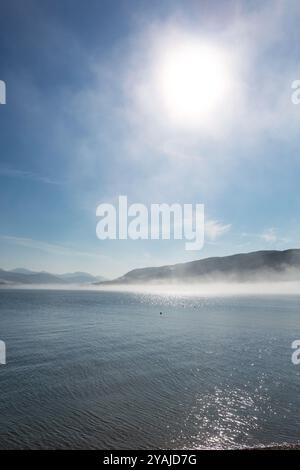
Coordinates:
x,y
106,370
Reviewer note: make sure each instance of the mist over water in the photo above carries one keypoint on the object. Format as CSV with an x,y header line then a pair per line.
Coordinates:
x,y
92,369
208,289
176,288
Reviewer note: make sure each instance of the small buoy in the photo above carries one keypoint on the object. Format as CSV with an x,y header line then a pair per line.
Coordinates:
x,y
160,313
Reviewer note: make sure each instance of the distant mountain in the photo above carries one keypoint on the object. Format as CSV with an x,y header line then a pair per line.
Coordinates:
x,y
258,265
80,277
26,276
23,271
32,278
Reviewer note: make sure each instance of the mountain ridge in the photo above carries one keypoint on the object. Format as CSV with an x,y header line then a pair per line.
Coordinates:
x,y
29,277
237,267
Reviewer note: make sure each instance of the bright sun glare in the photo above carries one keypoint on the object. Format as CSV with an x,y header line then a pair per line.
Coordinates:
x,y
194,80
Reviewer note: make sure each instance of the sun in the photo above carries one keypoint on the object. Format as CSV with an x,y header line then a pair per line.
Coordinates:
x,y
194,80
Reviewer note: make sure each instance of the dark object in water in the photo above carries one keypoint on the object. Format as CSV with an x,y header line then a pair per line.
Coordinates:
x,y
160,313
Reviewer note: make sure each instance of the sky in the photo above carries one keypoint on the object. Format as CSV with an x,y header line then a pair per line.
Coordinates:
x,y
95,109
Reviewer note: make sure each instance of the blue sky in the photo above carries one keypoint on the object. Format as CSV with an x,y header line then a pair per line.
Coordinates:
x,y
83,124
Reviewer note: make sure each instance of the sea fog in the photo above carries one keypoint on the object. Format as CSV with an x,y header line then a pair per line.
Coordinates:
x,y
203,289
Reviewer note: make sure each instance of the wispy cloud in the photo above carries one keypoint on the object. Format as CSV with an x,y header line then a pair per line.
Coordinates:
x,y
269,235
51,248
24,174
214,229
